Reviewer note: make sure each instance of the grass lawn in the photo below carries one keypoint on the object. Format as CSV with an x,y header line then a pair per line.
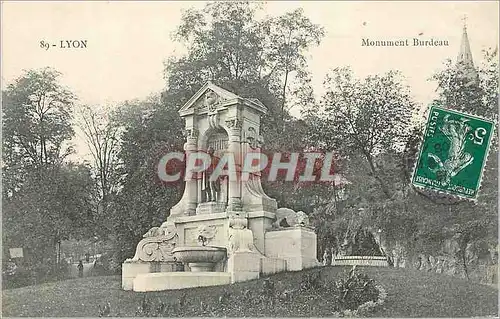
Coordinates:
x,y
411,293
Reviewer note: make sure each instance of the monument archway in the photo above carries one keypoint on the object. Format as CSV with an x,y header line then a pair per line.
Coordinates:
x,y
215,142
218,139
228,123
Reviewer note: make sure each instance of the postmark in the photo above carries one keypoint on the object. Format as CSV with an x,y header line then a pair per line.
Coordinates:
x,y
453,152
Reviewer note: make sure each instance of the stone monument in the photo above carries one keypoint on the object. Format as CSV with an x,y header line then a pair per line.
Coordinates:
x,y
225,230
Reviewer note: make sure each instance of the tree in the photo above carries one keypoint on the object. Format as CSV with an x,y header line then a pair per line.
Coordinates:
x,y
460,90
289,37
422,221
228,45
367,122
150,129
257,59
52,205
46,199
367,117
474,225
101,134
36,119
224,44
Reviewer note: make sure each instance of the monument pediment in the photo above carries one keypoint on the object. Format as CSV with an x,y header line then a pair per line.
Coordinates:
x,y
211,97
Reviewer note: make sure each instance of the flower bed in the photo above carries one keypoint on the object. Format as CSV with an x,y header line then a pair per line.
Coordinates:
x,y
366,307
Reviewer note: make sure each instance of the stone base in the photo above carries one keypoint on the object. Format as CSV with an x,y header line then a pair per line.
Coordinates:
x,y
179,280
296,245
244,266
379,261
244,276
299,263
260,222
130,270
201,267
269,266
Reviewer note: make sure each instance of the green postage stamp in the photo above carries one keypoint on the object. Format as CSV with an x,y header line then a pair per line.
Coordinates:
x,y
453,152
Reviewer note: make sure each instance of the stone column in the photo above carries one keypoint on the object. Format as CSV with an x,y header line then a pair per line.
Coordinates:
x,y
191,190
234,147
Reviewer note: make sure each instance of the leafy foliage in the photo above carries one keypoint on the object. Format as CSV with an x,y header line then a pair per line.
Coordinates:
x,y
36,122
143,200
365,117
366,121
52,205
430,295
378,161
472,225
471,91
355,290
46,198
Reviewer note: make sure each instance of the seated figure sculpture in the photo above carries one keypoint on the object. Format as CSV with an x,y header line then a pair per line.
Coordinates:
x,y
240,237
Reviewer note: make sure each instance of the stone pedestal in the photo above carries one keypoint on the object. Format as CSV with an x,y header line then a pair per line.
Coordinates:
x,y
272,265
179,280
260,222
244,266
131,269
210,208
187,229
296,245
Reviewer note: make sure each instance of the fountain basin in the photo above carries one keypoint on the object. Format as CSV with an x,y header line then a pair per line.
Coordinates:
x,y
200,258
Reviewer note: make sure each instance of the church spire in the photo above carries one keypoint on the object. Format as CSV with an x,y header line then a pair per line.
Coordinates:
x,y
464,59
465,55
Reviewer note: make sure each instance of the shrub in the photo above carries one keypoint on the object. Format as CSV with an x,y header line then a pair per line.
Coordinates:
x,y
311,281
355,290
20,279
29,274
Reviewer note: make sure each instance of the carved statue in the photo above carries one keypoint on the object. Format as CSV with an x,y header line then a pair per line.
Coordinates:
x,y
302,219
240,237
205,234
285,217
166,229
211,100
210,188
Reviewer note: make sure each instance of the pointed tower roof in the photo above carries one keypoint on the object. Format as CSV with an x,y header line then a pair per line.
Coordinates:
x,y
464,61
465,55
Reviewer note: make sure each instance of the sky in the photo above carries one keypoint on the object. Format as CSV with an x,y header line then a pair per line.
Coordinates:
x,y
127,42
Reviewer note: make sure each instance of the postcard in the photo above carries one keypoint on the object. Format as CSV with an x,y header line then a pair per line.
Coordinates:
x,y
250,159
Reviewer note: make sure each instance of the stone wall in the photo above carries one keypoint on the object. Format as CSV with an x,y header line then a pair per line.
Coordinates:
x,y
483,269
